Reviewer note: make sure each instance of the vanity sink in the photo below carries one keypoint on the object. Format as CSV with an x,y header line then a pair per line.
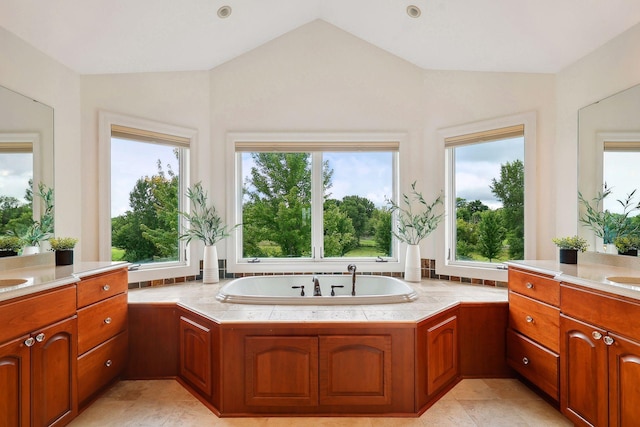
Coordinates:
x,y
627,280
11,282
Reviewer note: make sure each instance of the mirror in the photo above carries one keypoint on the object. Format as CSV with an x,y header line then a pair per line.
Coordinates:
x,y
609,153
26,155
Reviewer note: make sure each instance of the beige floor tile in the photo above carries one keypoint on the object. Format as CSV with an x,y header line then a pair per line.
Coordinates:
x,y
446,413
510,388
472,389
539,413
493,413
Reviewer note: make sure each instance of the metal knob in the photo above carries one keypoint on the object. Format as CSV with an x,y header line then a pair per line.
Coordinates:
x,y
529,285
40,337
107,320
596,335
29,342
529,319
108,363
525,360
608,340
106,288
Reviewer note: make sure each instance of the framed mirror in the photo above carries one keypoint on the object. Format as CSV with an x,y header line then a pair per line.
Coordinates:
x,y
26,159
609,166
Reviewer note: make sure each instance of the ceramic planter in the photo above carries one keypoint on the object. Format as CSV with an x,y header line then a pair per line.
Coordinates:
x,y
412,269
210,272
568,256
64,257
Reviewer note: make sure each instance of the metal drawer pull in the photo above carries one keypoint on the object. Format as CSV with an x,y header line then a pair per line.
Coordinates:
x,y
529,285
29,342
529,319
608,340
596,335
107,320
525,360
108,363
106,288
40,337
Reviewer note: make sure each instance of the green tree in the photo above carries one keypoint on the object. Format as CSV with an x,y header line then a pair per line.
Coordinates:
x,y
360,210
382,226
510,191
339,233
491,234
466,238
149,231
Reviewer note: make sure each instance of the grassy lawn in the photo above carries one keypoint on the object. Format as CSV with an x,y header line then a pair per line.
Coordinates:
x,y
367,248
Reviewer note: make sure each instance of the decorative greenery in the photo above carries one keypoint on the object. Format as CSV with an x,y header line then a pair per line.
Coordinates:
x,y
605,224
42,229
10,243
415,226
627,243
204,222
571,242
63,243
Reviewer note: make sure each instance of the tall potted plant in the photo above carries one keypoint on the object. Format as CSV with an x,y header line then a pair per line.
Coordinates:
x,y
206,225
41,229
415,223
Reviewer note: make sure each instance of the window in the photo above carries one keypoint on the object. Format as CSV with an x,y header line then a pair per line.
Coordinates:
x,y
487,193
147,174
16,187
315,201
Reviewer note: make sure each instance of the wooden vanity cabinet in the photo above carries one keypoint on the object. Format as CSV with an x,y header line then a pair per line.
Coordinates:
x,y
600,371
102,331
533,336
38,366
196,352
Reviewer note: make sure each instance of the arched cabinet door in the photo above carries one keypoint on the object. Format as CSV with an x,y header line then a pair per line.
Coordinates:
x,y
624,377
15,377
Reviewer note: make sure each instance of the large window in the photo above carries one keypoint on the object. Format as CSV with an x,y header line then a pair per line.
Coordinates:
x,y
16,186
314,201
487,193
148,174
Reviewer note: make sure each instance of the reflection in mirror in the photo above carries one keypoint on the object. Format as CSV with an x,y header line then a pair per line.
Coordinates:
x,y
26,159
609,155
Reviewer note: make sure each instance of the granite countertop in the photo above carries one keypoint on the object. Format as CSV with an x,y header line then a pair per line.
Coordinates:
x,y
48,276
434,296
587,274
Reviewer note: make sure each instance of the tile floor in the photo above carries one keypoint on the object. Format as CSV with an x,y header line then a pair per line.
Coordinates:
x,y
473,402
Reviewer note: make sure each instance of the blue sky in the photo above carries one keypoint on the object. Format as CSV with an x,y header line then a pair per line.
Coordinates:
x,y
16,170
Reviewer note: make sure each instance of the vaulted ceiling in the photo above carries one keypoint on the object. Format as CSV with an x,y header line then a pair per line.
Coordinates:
x,y
121,36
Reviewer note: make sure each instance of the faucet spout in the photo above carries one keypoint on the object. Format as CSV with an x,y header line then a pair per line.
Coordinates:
x,y
316,287
351,268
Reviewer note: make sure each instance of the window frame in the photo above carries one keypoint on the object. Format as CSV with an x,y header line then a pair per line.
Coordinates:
x,y
237,264
445,235
189,263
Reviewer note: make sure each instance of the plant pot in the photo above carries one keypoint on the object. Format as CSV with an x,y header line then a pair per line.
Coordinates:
x,y
630,252
568,256
64,257
210,272
30,250
7,253
412,270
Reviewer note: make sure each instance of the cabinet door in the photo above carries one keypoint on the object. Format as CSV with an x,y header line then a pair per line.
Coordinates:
x,y
624,378
195,354
15,365
583,373
355,370
281,371
53,369
442,354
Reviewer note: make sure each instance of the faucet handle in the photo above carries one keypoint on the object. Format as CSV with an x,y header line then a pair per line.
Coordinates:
x,y
333,292
301,287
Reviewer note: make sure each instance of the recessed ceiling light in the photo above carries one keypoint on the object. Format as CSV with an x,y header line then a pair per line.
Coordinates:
x,y
224,12
413,11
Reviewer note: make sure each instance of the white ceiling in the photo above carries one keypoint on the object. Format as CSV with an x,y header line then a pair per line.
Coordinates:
x,y
119,36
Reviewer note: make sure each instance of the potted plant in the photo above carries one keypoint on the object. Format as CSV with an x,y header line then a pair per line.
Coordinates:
x,y
10,245
63,247
206,225
41,229
627,245
569,247
414,226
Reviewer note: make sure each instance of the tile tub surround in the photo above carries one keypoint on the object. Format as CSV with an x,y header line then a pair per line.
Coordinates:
x,y
434,296
472,402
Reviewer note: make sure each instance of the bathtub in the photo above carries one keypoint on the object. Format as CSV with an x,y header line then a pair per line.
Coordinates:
x,y
276,290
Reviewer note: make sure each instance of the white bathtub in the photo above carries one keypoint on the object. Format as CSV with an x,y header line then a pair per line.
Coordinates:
x,y
275,290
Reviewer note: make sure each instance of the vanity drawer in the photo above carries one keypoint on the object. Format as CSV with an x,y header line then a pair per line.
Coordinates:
x,y
542,288
101,365
538,321
96,288
534,362
101,321
27,314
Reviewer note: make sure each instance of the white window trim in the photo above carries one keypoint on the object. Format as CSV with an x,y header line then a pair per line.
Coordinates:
x,y
105,120
37,175
235,262
443,234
